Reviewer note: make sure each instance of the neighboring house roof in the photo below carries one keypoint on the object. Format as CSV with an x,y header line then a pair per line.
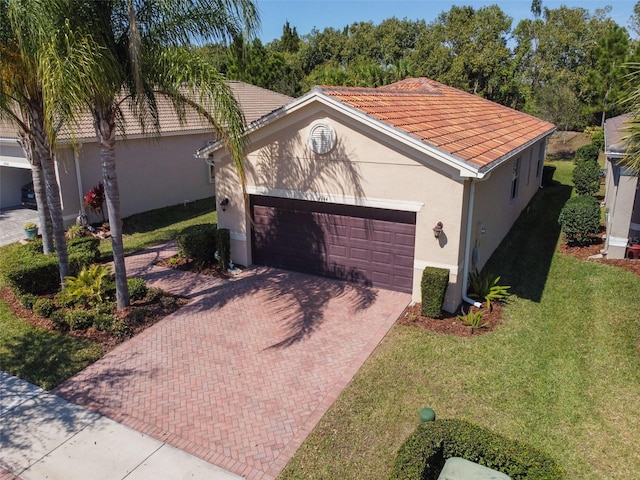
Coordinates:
x,y
254,101
461,129
614,133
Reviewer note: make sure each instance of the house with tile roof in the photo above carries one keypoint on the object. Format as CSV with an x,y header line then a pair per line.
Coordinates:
x,y
153,171
622,197
375,184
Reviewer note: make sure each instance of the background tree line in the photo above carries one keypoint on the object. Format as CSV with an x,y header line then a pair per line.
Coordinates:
x,y
566,65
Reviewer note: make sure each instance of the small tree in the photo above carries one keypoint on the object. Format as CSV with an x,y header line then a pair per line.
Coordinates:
x,y
580,219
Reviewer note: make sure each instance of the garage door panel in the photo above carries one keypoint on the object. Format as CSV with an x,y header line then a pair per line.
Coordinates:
x,y
404,260
365,245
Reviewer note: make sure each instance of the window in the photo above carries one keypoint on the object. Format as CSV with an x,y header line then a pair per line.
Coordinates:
x,y
211,170
529,163
515,175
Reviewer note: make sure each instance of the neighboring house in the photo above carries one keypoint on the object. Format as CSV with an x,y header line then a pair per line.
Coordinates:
x,y
356,182
622,199
152,172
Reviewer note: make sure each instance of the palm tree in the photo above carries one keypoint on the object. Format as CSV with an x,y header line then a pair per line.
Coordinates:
x,y
26,30
145,53
632,135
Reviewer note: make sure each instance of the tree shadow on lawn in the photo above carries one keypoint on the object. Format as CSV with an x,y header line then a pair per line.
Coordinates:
x,y
46,358
164,217
523,258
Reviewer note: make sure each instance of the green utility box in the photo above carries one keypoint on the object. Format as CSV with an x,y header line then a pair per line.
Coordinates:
x,y
456,468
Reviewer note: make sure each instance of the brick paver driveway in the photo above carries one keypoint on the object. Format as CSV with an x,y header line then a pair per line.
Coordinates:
x,y
242,374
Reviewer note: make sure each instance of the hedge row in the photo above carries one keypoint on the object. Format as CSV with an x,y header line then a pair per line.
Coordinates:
x,y
425,451
27,270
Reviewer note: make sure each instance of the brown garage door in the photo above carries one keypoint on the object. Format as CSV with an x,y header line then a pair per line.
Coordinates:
x,y
371,246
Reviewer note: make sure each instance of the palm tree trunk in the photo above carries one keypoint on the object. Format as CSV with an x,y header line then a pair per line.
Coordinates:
x,y
42,149
46,228
106,133
44,217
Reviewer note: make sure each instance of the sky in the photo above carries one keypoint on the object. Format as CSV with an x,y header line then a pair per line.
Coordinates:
x,y
307,14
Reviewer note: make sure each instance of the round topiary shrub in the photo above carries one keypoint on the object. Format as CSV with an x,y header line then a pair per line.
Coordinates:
x,y
137,288
44,307
587,152
586,178
79,319
59,320
580,220
425,451
28,300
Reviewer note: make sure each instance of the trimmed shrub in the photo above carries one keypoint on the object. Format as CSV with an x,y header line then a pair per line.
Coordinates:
x,y
79,319
103,321
83,251
59,320
137,288
586,177
154,294
167,301
27,270
44,307
425,451
433,286
198,242
223,242
580,219
587,152
28,300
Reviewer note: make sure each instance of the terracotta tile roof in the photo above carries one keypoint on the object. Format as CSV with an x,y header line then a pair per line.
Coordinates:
x,y
469,127
255,102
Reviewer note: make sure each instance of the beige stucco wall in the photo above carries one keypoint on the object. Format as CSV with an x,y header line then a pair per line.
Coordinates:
x,y
495,212
152,173
620,198
367,168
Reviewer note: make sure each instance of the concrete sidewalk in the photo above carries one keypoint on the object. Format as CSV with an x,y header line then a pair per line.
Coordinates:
x,y
43,436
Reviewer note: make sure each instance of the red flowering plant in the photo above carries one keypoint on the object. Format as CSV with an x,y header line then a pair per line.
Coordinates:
x,y
94,199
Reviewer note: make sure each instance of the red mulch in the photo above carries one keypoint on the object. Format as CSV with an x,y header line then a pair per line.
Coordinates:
x,y
450,324
186,264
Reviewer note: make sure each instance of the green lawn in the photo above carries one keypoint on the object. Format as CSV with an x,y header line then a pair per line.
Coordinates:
x,y
152,228
45,358
562,372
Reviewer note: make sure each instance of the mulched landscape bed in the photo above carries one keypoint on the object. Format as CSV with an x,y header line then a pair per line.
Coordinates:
x,y
154,312
451,324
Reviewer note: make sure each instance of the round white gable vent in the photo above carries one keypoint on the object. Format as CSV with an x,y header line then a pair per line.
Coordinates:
x,y
322,137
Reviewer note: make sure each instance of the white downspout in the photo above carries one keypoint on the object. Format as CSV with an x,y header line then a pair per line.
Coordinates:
x,y
79,179
467,247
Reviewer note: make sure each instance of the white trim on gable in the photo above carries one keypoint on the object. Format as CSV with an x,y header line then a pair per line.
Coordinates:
x,y
465,169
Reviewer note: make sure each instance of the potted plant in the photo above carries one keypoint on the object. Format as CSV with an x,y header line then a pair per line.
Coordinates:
x,y
31,230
